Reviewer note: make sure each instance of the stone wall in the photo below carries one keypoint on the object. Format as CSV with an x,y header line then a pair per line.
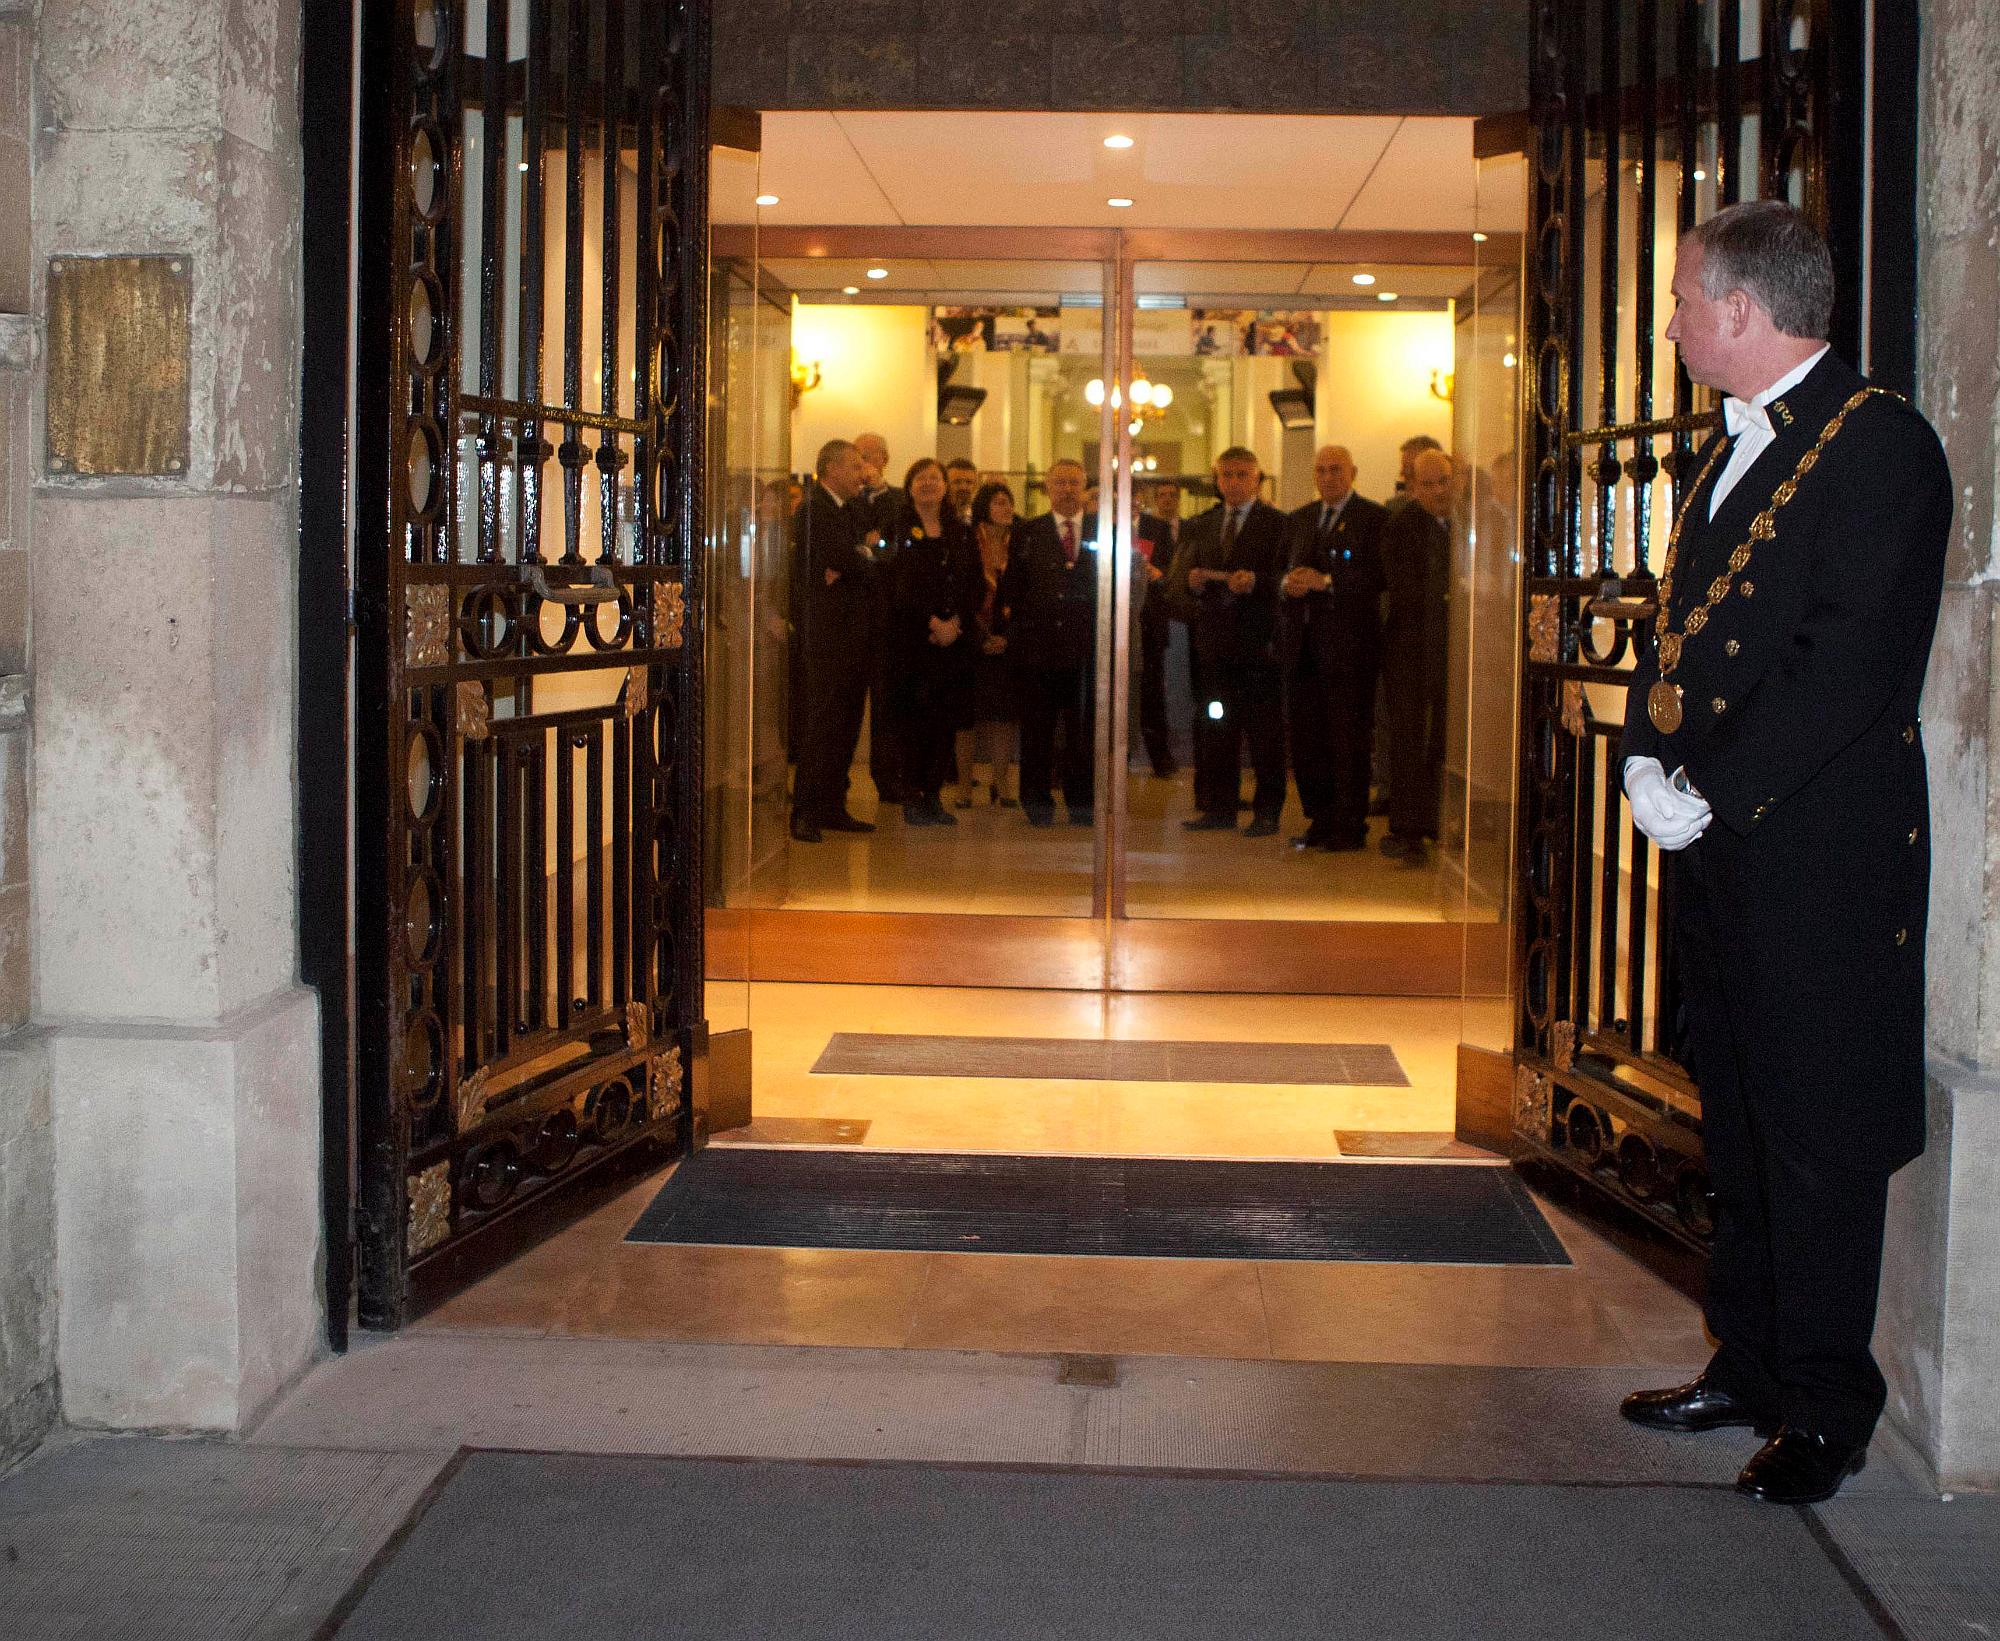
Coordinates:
x,y
1261,56
1940,1332
27,1165
183,1056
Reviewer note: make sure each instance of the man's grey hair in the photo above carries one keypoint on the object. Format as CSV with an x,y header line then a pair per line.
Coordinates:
x,y
1416,442
829,453
1767,249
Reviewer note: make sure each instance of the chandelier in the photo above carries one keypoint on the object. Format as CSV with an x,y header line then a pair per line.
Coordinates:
x,y
1149,399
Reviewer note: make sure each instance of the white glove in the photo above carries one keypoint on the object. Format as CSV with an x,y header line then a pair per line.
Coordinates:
x,y
1673,817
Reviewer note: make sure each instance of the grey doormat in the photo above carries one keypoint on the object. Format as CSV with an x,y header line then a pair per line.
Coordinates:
x,y
533,1545
1084,1059
193,1540
1136,1207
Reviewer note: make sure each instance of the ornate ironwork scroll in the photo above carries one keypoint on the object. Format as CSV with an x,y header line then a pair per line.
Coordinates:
x,y
1645,115
532,935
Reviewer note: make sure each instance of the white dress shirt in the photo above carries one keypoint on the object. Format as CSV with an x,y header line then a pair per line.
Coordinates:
x,y
1750,426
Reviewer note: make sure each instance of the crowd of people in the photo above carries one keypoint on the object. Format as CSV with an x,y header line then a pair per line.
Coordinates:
x,y
966,633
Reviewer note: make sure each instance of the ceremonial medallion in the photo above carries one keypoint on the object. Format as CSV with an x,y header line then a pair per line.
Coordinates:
x,y
1663,706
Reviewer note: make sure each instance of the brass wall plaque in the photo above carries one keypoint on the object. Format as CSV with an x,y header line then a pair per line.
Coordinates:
x,y
118,365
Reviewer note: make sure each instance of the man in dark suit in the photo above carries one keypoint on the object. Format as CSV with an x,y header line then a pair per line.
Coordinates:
x,y
1158,531
1049,590
1788,714
961,479
1330,644
838,635
1416,561
879,504
1225,582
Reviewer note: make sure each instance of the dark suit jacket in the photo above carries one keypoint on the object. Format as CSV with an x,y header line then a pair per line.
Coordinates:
x,y
837,620
1340,628
935,577
1228,628
882,511
1800,728
1416,563
1051,606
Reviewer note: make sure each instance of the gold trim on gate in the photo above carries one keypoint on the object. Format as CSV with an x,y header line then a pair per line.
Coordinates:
x,y
665,1085
430,1207
475,711
1562,1044
472,1100
1544,627
427,624
1531,1104
635,691
669,613
1572,713
638,1024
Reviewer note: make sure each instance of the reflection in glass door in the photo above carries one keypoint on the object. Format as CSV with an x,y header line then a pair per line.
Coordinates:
x,y
1294,704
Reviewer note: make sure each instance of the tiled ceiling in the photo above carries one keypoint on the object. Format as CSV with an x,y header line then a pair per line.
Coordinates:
x,y
1246,171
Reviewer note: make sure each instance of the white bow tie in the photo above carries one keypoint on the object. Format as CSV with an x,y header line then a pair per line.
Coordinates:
x,y
1739,416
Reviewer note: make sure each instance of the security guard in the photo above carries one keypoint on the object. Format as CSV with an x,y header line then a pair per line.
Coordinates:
x,y
1779,699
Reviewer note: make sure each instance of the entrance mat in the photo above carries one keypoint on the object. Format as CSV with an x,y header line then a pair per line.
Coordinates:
x,y
1435,1214
1382,1142
879,1054
743,1551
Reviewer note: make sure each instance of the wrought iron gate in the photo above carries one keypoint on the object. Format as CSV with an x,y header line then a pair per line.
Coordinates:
x,y
528,944
1646,114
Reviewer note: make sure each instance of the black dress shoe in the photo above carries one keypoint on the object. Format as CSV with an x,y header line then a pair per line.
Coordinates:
x,y
841,821
1210,823
1038,815
1264,826
1166,771
1797,1467
1345,845
803,831
1082,817
1697,1405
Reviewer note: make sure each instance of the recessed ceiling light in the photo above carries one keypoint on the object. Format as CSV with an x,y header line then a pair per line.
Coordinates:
x,y
767,199
1701,176
1477,237
1118,141
524,165
850,290
1118,202
1364,279
1385,296
878,273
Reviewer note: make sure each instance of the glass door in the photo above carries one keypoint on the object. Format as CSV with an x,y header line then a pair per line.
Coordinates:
x,y
1286,816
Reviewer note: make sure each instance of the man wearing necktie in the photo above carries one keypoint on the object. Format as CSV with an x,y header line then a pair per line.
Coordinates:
x,y
1771,747
1225,587
1416,561
1330,648
1049,591
1159,534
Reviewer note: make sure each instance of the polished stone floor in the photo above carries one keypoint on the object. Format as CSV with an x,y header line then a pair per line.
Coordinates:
x,y
1605,1310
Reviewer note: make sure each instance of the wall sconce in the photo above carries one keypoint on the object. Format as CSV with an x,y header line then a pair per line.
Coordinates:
x,y
1443,384
805,377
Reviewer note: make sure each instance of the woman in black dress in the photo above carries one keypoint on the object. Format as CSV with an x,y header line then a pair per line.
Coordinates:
x,y
934,606
988,735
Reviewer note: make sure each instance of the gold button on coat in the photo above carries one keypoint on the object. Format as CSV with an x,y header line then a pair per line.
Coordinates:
x,y
1731,648
1718,705
1749,589
1902,936
1909,735
1913,836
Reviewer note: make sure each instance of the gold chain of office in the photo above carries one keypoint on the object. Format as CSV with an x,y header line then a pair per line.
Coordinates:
x,y
1663,701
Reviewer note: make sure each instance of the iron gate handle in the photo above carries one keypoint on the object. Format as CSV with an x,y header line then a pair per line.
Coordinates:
x,y
599,589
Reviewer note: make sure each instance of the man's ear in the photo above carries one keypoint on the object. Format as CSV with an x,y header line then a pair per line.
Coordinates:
x,y
1740,307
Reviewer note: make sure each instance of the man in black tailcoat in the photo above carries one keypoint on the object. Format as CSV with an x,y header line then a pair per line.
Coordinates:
x,y
1772,745
1049,590
836,581
1224,585
1416,560
879,504
1330,646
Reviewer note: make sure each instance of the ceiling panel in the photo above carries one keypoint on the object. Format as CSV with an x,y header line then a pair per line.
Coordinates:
x,y
1337,279
1184,170
1424,180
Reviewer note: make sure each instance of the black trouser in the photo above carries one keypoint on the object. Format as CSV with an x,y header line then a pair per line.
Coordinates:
x,y
885,751
1055,698
1252,713
837,686
1797,1254
924,730
1416,692
1332,711
1155,629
